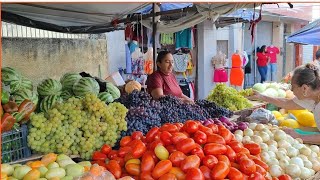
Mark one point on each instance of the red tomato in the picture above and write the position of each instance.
(198, 151)
(112, 154)
(231, 154)
(125, 141)
(114, 167)
(146, 176)
(128, 156)
(262, 164)
(247, 166)
(206, 130)
(261, 170)
(133, 169)
(225, 159)
(206, 172)
(168, 176)
(99, 162)
(186, 145)
(177, 137)
(214, 149)
(169, 127)
(214, 128)
(284, 177)
(136, 135)
(105, 149)
(200, 137)
(151, 134)
(220, 171)
(210, 161)
(153, 155)
(179, 125)
(139, 149)
(161, 168)
(165, 137)
(147, 163)
(194, 174)
(124, 150)
(235, 174)
(216, 138)
(241, 156)
(176, 158)
(256, 176)
(254, 148)
(236, 146)
(154, 144)
(245, 151)
(225, 133)
(171, 148)
(235, 165)
(190, 126)
(180, 175)
(192, 161)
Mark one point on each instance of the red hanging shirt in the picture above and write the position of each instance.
(168, 83)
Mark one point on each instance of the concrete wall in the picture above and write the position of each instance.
(40, 58)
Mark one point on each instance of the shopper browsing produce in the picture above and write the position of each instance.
(163, 82)
(305, 85)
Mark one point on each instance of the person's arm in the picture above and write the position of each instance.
(157, 93)
(280, 102)
(186, 99)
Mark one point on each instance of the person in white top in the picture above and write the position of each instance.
(305, 85)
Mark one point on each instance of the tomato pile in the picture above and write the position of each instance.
(184, 151)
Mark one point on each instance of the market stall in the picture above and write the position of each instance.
(81, 126)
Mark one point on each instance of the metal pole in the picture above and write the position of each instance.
(154, 30)
(255, 53)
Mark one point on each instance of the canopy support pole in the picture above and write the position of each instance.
(154, 31)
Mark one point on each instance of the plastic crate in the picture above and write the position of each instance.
(14, 145)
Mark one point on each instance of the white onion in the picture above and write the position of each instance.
(264, 146)
(248, 132)
(272, 142)
(238, 132)
(283, 149)
(252, 125)
(297, 160)
(290, 139)
(265, 156)
(273, 148)
(313, 155)
(283, 163)
(312, 172)
(303, 157)
(272, 154)
(265, 136)
(268, 176)
(275, 170)
(273, 161)
(298, 145)
(257, 139)
(279, 135)
(283, 144)
(259, 127)
(246, 139)
(292, 152)
(293, 170)
(305, 173)
(281, 154)
(299, 140)
(238, 137)
(307, 164)
(305, 151)
(315, 148)
(315, 165)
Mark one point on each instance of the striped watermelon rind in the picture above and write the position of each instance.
(113, 90)
(48, 102)
(86, 85)
(23, 94)
(68, 80)
(26, 84)
(49, 87)
(65, 95)
(105, 97)
(9, 74)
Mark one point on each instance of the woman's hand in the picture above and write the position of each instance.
(187, 100)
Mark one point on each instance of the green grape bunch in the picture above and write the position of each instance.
(229, 98)
(77, 126)
(246, 92)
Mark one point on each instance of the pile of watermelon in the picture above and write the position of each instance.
(73, 85)
(19, 87)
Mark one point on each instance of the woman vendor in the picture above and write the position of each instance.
(305, 85)
(163, 82)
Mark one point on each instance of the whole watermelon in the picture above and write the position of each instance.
(23, 94)
(48, 102)
(11, 77)
(68, 80)
(86, 85)
(105, 97)
(49, 87)
(65, 95)
(113, 90)
(26, 84)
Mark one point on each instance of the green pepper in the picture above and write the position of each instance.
(25, 109)
(7, 122)
(5, 96)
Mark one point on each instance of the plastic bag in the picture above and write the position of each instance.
(263, 116)
(96, 172)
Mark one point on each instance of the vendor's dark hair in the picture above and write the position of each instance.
(161, 55)
(263, 48)
(318, 54)
(307, 74)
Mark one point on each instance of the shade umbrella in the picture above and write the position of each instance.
(309, 34)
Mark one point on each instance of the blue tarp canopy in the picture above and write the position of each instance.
(244, 14)
(166, 7)
(309, 34)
